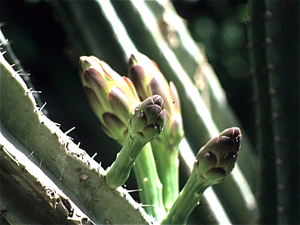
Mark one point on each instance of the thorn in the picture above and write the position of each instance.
(3, 52)
(146, 205)
(68, 131)
(24, 74)
(4, 42)
(21, 72)
(18, 71)
(43, 106)
(30, 155)
(57, 124)
(41, 163)
(94, 155)
(78, 144)
(135, 190)
(32, 91)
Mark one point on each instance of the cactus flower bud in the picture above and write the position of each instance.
(213, 163)
(112, 99)
(111, 96)
(217, 158)
(145, 124)
(148, 81)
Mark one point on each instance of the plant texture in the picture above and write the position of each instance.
(144, 98)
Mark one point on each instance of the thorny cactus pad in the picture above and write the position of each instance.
(213, 163)
(145, 124)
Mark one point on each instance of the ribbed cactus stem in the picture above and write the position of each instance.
(264, 133)
(282, 40)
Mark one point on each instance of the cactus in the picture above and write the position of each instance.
(70, 167)
(272, 52)
(62, 183)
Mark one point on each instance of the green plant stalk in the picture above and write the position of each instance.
(282, 51)
(167, 163)
(187, 200)
(143, 170)
(208, 203)
(120, 170)
(151, 192)
(213, 163)
(146, 123)
(264, 135)
(148, 81)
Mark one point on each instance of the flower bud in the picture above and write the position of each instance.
(217, 158)
(149, 81)
(145, 124)
(111, 96)
(148, 118)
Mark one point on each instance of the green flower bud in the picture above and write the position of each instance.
(217, 158)
(145, 124)
(111, 96)
(214, 161)
(148, 81)
(148, 119)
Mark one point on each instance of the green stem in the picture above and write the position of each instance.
(187, 200)
(167, 164)
(119, 172)
(136, 154)
(282, 41)
(148, 181)
(264, 133)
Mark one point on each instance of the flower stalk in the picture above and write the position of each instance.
(145, 124)
(213, 163)
(148, 81)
